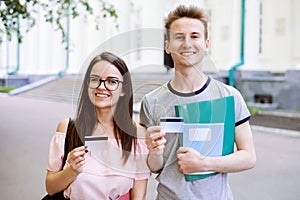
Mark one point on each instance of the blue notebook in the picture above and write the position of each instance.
(208, 128)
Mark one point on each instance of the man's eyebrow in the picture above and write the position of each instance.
(178, 34)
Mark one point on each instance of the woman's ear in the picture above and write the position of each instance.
(122, 94)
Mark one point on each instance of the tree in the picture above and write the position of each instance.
(12, 12)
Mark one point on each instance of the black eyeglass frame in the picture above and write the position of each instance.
(104, 82)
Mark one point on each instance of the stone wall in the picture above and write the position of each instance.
(273, 91)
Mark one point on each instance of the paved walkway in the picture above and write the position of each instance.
(27, 125)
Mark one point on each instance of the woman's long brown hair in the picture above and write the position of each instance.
(86, 120)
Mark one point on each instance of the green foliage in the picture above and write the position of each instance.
(11, 11)
(55, 12)
(254, 110)
(6, 89)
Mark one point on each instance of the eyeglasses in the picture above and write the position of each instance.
(110, 84)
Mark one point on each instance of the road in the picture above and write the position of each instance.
(28, 124)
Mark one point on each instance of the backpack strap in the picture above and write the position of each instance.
(67, 143)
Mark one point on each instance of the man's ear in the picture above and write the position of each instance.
(167, 47)
(207, 44)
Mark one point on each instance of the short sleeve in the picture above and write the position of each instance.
(242, 113)
(145, 116)
(56, 152)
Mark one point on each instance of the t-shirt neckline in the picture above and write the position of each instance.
(189, 94)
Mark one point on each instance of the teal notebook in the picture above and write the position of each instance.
(208, 128)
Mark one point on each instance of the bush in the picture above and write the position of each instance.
(254, 110)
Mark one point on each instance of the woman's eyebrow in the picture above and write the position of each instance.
(111, 77)
(94, 75)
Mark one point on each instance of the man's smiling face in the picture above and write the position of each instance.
(187, 43)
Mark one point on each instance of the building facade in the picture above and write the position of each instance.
(258, 35)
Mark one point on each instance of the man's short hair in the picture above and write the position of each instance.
(188, 12)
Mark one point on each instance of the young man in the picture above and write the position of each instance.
(187, 41)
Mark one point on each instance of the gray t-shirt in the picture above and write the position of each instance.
(160, 103)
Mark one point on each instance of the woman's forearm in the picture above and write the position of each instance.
(58, 181)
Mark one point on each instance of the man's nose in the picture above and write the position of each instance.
(187, 42)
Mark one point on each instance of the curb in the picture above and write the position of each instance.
(33, 85)
(276, 131)
(3, 94)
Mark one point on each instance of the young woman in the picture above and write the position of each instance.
(104, 109)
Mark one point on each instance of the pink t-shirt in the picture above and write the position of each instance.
(104, 176)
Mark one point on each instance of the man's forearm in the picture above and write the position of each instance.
(155, 162)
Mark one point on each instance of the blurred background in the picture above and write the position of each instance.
(45, 47)
(254, 44)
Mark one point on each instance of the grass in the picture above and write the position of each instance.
(6, 89)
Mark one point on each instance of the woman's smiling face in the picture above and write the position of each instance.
(101, 97)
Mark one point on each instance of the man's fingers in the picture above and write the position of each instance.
(182, 150)
(153, 129)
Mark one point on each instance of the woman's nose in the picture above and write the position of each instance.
(102, 85)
